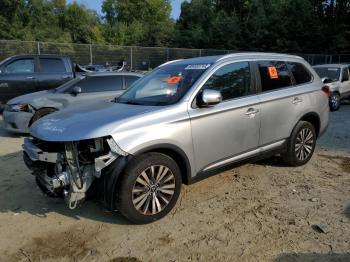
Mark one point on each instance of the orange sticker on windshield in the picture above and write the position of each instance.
(273, 72)
(174, 80)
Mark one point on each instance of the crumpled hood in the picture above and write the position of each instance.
(28, 98)
(86, 121)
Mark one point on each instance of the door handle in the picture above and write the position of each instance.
(65, 77)
(252, 111)
(30, 77)
(297, 100)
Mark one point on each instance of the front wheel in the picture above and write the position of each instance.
(334, 102)
(149, 188)
(301, 145)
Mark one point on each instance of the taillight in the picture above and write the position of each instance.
(326, 90)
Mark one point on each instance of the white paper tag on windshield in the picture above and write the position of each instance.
(197, 67)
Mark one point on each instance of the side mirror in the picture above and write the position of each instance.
(76, 90)
(325, 80)
(208, 98)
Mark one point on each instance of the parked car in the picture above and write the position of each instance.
(21, 112)
(97, 68)
(184, 121)
(336, 76)
(25, 74)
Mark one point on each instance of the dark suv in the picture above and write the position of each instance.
(30, 73)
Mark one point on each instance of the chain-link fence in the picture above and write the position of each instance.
(137, 58)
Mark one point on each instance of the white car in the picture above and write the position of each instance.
(336, 76)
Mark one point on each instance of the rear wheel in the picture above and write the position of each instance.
(301, 145)
(41, 113)
(149, 188)
(334, 102)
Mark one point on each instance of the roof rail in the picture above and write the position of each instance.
(169, 62)
(252, 53)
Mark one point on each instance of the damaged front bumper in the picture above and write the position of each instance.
(71, 170)
(17, 122)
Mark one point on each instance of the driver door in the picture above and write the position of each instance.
(345, 82)
(228, 131)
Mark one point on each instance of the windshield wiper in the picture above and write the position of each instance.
(128, 102)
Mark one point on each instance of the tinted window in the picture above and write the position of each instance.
(274, 75)
(100, 84)
(52, 65)
(129, 80)
(231, 80)
(300, 73)
(345, 76)
(20, 66)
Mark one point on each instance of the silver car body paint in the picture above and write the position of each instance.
(57, 101)
(209, 137)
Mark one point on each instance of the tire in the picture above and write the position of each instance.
(41, 113)
(133, 188)
(334, 102)
(301, 144)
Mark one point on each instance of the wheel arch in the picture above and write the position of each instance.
(40, 109)
(314, 119)
(176, 153)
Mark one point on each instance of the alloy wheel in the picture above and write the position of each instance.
(304, 144)
(153, 189)
(335, 100)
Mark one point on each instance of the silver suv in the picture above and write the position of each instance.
(186, 120)
(336, 76)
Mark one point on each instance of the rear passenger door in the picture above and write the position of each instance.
(283, 94)
(345, 82)
(52, 73)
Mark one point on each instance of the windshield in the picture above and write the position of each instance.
(164, 86)
(332, 73)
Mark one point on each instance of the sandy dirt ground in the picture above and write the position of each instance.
(256, 212)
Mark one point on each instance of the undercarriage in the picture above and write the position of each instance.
(69, 169)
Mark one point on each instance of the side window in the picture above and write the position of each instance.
(129, 80)
(20, 66)
(273, 75)
(101, 84)
(345, 75)
(52, 65)
(300, 73)
(233, 80)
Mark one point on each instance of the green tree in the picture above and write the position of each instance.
(133, 22)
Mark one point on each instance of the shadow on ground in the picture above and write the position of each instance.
(347, 212)
(310, 257)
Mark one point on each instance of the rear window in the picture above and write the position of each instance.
(274, 75)
(100, 84)
(52, 65)
(300, 73)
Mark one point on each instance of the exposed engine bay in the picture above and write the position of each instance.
(68, 169)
